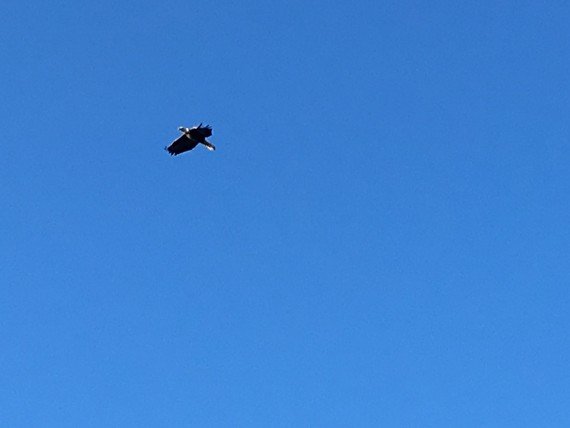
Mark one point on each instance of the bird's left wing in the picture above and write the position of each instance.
(204, 131)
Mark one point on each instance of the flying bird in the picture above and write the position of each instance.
(190, 138)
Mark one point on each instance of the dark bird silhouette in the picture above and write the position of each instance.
(190, 138)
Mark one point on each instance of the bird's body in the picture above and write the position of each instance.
(190, 138)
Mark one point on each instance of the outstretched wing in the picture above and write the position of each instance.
(180, 145)
(200, 132)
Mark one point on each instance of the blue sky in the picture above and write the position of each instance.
(381, 238)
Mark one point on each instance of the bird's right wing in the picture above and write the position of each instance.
(180, 145)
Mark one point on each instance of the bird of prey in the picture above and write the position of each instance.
(190, 138)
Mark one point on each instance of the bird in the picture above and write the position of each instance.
(190, 138)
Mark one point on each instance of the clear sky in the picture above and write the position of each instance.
(380, 240)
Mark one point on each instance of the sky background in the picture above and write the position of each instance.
(380, 240)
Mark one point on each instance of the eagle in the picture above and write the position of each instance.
(190, 138)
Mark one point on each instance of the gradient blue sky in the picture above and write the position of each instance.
(381, 239)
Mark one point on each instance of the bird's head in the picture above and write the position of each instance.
(182, 129)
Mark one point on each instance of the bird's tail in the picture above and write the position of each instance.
(209, 145)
